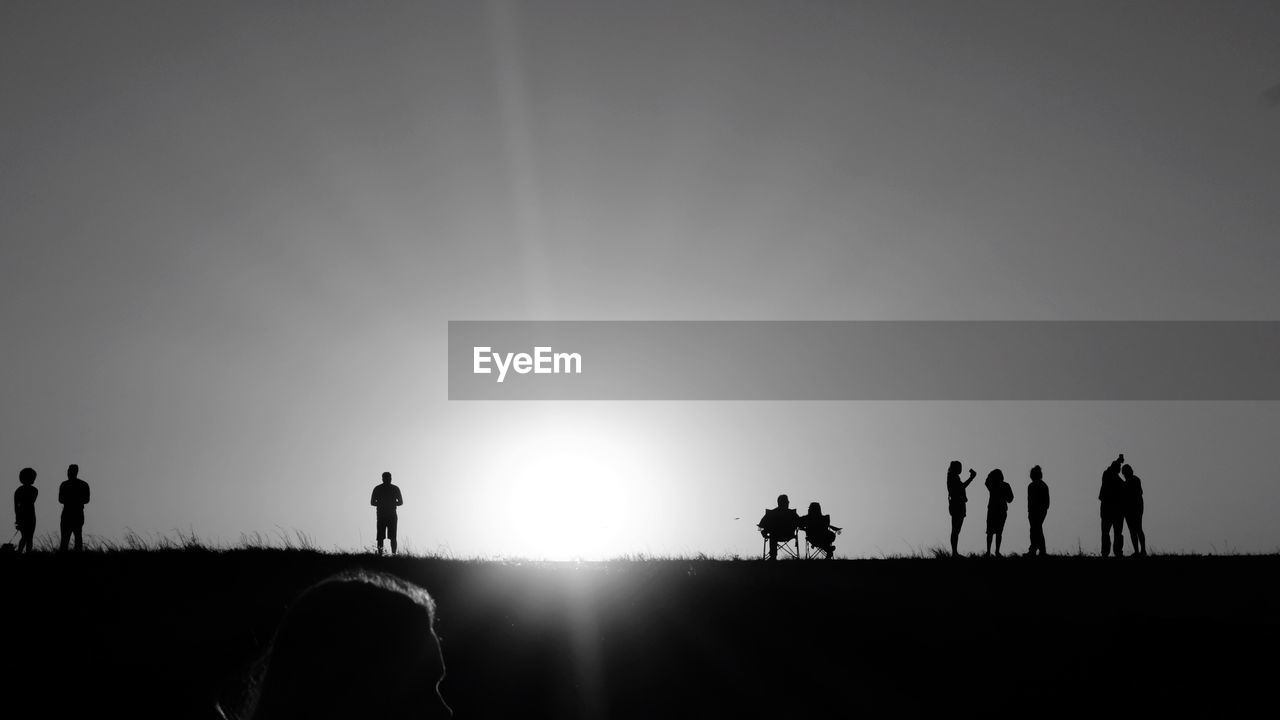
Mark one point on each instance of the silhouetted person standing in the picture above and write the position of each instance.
(1133, 510)
(779, 525)
(1111, 497)
(73, 493)
(1037, 509)
(818, 530)
(1000, 495)
(24, 508)
(386, 497)
(956, 499)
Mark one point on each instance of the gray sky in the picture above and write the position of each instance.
(232, 234)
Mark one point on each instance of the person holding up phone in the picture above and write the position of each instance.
(956, 499)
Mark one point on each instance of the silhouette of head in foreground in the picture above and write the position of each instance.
(356, 645)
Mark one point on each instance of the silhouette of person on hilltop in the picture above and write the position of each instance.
(24, 508)
(73, 493)
(778, 525)
(1001, 494)
(956, 499)
(356, 645)
(818, 530)
(386, 497)
(1111, 498)
(1037, 509)
(1133, 510)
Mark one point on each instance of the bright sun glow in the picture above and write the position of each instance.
(567, 493)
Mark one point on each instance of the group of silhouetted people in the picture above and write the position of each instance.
(780, 525)
(1120, 497)
(1000, 494)
(73, 493)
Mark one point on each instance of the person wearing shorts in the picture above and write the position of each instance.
(386, 497)
(1001, 494)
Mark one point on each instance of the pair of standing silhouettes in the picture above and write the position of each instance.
(1120, 499)
(72, 493)
(1000, 494)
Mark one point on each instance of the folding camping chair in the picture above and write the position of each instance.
(788, 545)
(813, 552)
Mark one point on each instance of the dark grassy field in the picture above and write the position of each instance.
(169, 633)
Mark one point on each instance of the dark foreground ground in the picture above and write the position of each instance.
(167, 634)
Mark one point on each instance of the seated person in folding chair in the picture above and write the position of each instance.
(779, 525)
(818, 530)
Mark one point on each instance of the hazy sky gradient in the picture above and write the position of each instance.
(232, 235)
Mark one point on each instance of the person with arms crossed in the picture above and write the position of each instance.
(73, 493)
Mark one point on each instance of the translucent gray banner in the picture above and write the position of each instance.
(891, 360)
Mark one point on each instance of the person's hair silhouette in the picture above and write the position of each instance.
(956, 499)
(24, 508)
(386, 497)
(779, 525)
(73, 493)
(1111, 508)
(818, 530)
(1133, 510)
(1037, 510)
(356, 645)
(1000, 495)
